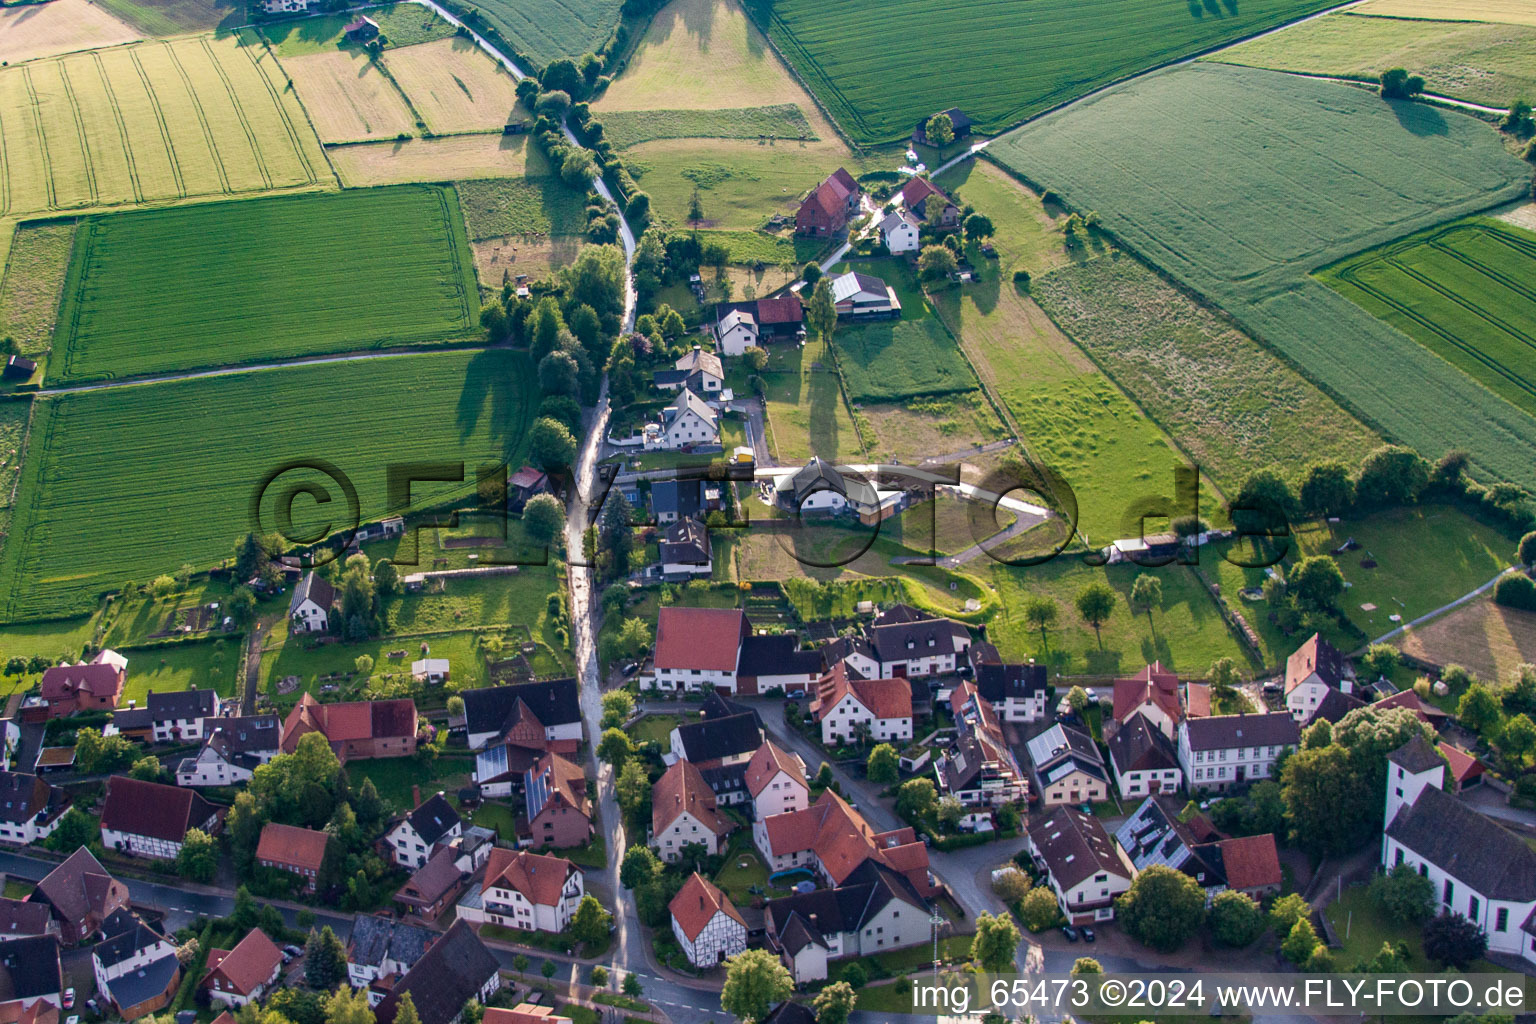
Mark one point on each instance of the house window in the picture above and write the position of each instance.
(1448, 893)
(1472, 908)
(1501, 919)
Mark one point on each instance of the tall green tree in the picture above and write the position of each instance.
(996, 942)
(821, 313)
(755, 981)
(1162, 908)
(325, 959)
(883, 764)
(1040, 613)
(940, 130)
(1095, 603)
(1147, 595)
(834, 1003)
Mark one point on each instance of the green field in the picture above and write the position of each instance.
(520, 206)
(400, 24)
(174, 17)
(1278, 176)
(1000, 63)
(132, 482)
(1466, 291)
(206, 664)
(1230, 402)
(543, 30)
(625, 128)
(13, 438)
(33, 276)
(1488, 64)
(750, 247)
(234, 283)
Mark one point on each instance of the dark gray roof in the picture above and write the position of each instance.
(29, 968)
(1153, 835)
(899, 641)
(1416, 755)
(998, 682)
(127, 934)
(807, 917)
(1461, 842)
(720, 737)
(1223, 732)
(312, 588)
(1139, 746)
(130, 719)
(181, 704)
(686, 543)
(23, 797)
(369, 940)
(776, 654)
(494, 708)
(448, 976)
(682, 497)
(19, 917)
(1334, 706)
(790, 1013)
(433, 819)
(241, 740)
(143, 984)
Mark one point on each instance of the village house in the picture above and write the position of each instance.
(1229, 750)
(432, 671)
(298, 851)
(959, 122)
(979, 768)
(874, 910)
(919, 194)
(830, 205)
(820, 489)
(908, 644)
(687, 423)
(1016, 691)
(718, 742)
(150, 819)
(527, 891)
(851, 709)
(699, 371)
(232, 750)
(674, 500)
(683, 813)
(859, 297)
(21, 918)
(356, 730)
(832, 839)
(179, 716)
(381, 948)
(309, 610)
(284, 6)
(743, 325)
(1311, 671)
(411, 839)
(1422, 709)
(685, 551)
(1156, 834)
(1152, 694)
(536, 716)
(433, 887)
(96, 685)
(454, 970)
(30, 974)
(775, 780)
(1066, 767)
(135, 966)
(243, 974)
(1478, 868)
(698, 648)
(30, 808)
(556, 805)
(1083, 867)
(705, 923)
(1145, 761)
(81, 895)
(898, 233)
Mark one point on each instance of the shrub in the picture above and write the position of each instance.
(1516, 591)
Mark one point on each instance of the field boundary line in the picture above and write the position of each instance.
(202, 118)
(85, 143)
(70, 301)
(389, 76)
(245, 124)
(1448, 606)
(282, 109)
(122, 128)
(165, 131)
(308, 117)
(42, 140)
(5, 180)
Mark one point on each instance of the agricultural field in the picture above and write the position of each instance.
(1488, 64)
(632, 127)
(1466, 291)
(66, 546)
(194, 116)
(1513, 12)
(1487, 639)
(521, 225)
(348, 98)
(13, 449)
(998, 63)
(921, 428)
(32, 281)
(1029, 235)
(752, 247)
(226, 283)
(544, 30)
(806, 412)
(1230, 403)
(1342, 171)
(403, 24)
(61, 26)
(449, 157)
(455, 86)
(177, 17)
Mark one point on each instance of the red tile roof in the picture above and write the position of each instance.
(702, 638)
(352, 720)
(1197, 700)
(918, 189)
(102, 679)
(538, 876)
(769, 760)
(842, 840)
(246, 967)
(780, 309)
(1251, 862)
(289, 844)
(697, 903)
(1428, 713)
(682, 788)
(1463, 765)
(1315, 656)
(884, 698)
(1153, 684)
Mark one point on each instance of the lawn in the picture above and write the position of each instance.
(153, 122)
(742, 883)
(1230, 403)
(806, 412)
(1466, 291)
(205, 664)
(1342, 171)
(328, 670)
(1488, 64)
(946, 524)
(393, 777)
(1000, 63)
(229, 283)
(921, 428)
(749, 247)
(33, 276)
(400, 24)
(1029, 235)
(173, 502)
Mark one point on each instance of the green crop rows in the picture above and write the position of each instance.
(129, 483)
(998, 62)
(1467, 291)
(201, 286)
(544, 30)
(631, 127)
(1275, 177)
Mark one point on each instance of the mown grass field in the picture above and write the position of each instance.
(1515, 12)
(1466, 291)
(1341, 171)
(13, 438)
(1230, 403)
(399, 24)
(176, 17)
(347, 97)
(226, 283)
(630, 127)
(34, 276)
(180, 463)
(1000, 63)
(515, 206)
(806, 412)
(455, 86)
(1489, 640)
(749, 247)
(192, 116)
(448, 157)
(206, 664)
(61, 26)
(1489, 64)
(544, 30)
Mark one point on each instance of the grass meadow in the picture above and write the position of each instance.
(454, 85)
(191, 116)
(132, 482)
(1512, 12)
(544, 30)
(1341, 171)
(32, 281)
(1000, 63)
(227, 283)
(457, 156)
(625, 128)
(806, 412)
(348, 98)
(1488, 64)
(514, 206)
(1466, 291)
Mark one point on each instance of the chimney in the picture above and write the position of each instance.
(415, 795)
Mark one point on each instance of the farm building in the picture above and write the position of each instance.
(861, 297)
(919, 194)
(958, 119)
(830, 205)
(778, 318)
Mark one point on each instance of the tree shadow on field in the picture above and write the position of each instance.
(492, 389)
(1419, 118)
